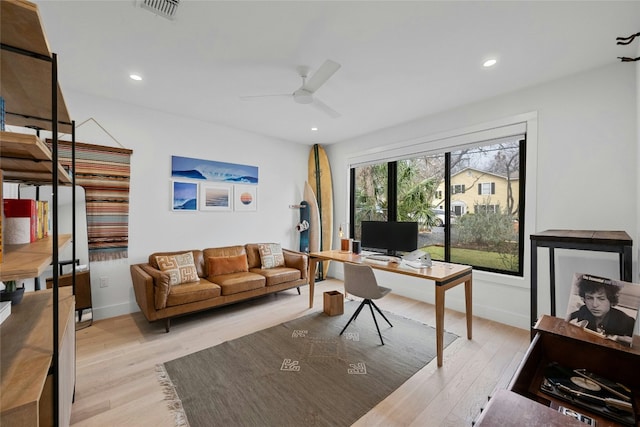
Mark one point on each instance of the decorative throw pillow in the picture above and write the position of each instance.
(180, 268)
(218, 265)
(271, 255)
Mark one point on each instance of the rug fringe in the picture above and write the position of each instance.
(171, 396)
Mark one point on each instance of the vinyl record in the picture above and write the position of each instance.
(589, 391)
(585, 383)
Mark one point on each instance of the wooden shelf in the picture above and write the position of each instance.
(29, 260)
(27, 159)
(26, 357)
(26, 83)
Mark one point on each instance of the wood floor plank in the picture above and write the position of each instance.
(117, 384)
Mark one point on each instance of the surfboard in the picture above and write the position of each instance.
(314, 218)
(320, 180)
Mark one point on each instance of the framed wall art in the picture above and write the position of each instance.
(245, 198)
(211, 170)
(184, 196)
(216, 197)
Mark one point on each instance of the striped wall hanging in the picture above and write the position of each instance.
(104, 173)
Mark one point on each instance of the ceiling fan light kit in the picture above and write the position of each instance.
(303, 96)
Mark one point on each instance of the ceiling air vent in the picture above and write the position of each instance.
(165, 8)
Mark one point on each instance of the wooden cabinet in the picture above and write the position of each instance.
(557, 341)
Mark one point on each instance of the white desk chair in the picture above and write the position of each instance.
(360, 281)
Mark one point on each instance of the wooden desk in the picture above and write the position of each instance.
(445, 275)
(586, 240)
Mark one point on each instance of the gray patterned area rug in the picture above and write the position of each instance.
(299, 373)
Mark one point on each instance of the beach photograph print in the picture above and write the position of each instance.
(215, 197)
(209, 170)
(184, 196)
(245, 198)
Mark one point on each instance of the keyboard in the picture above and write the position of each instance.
(383, 258)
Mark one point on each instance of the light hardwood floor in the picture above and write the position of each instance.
(116, 382)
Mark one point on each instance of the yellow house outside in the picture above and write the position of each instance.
(472, 186)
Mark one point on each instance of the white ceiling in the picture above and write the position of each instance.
(400, 60)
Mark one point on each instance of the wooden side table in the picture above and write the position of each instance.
(586, 240)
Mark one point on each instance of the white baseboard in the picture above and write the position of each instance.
(114, 310)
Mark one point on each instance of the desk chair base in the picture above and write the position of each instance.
(371, 305)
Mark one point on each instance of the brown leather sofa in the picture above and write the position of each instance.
(223, 277)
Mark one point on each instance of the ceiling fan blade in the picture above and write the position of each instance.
(325, 108)
(275, 95)
(321, 75)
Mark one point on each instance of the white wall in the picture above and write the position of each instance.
(637, 66)
(585, 178)
(154, 137)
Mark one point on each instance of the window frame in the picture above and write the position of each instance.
(480, 134)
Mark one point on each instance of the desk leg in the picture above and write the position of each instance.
(468, 306)
(313, 264)
(440, 290)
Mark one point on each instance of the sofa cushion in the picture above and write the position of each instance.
(218, 265)
(278, 275)
(271, 255)
(180, 268)
(198, 259)
(238, 282)
(192, 292)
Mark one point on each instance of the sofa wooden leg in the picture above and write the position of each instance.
(298, 288)
(167, 324)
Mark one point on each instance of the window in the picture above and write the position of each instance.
(486, 188)
(479, 228)
(483, 209)
(369, 195)
(457, 189)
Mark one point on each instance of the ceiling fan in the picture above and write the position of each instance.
(305, 93)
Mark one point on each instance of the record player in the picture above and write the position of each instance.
(588, 390)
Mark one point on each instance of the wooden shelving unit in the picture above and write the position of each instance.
(37, 351)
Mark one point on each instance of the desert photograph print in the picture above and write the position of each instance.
(301, 372)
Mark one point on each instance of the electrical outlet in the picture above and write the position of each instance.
(104, 282)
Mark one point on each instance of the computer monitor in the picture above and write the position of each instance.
(389, 236)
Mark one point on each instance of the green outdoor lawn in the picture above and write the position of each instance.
(469, 256)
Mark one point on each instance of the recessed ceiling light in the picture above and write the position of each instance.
(135, 77)
(314, 129)
(489, 63)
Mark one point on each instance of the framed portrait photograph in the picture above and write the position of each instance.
(184, 196)
(245, 198)
(604, 306)
(215, 197)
